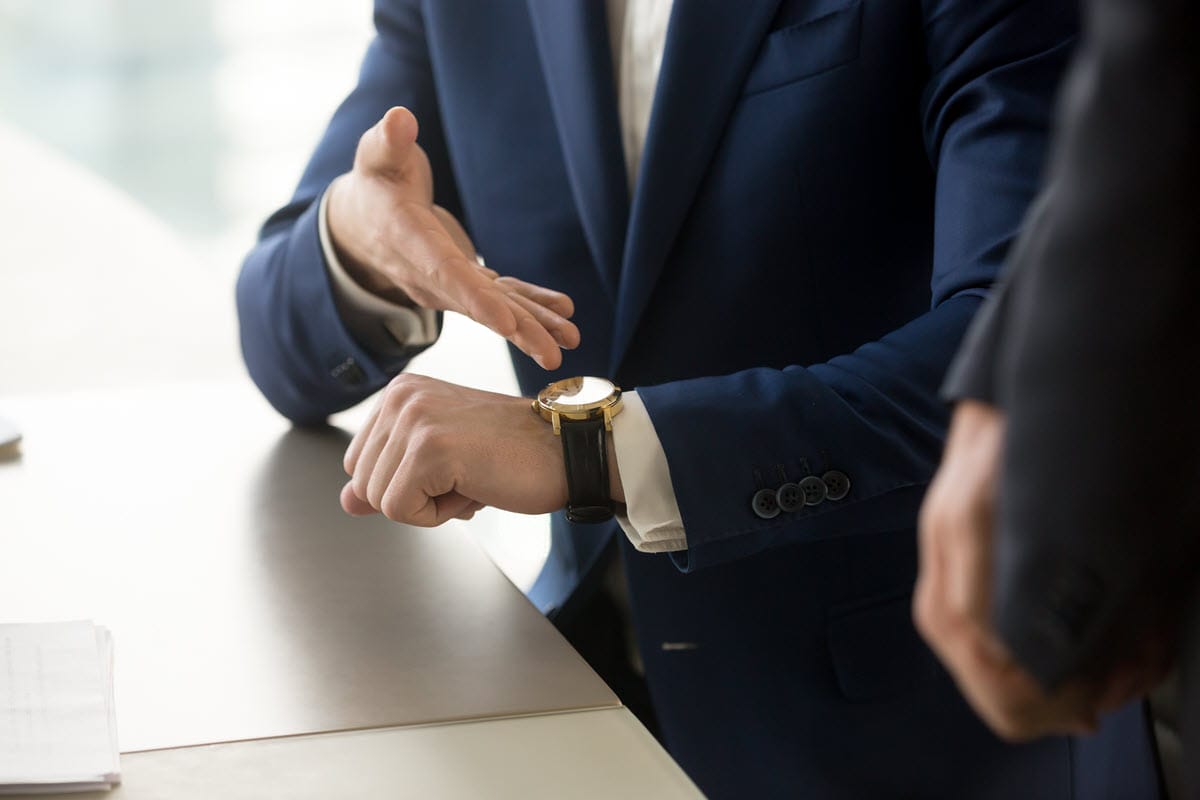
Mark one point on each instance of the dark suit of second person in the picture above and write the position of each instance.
(1092, 354)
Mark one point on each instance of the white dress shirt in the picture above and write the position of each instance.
(651, 518)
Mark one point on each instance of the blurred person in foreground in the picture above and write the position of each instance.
(773, 222)
(1060, 541)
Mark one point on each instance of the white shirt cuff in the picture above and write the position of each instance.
(362, 311)
(651, 520)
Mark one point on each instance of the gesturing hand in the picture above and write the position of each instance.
(951, 604)
(396, 243)
(432, 451)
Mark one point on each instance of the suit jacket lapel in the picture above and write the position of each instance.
(710, 47)
(572, 40)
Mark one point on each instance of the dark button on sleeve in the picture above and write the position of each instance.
(814, 490)
(837, 485)
(789, 496)
(765, 504)
(349, 373)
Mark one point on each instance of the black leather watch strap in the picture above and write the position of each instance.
(586, 457)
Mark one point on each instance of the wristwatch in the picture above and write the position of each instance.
(581, 411)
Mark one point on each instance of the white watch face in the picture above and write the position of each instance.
(577, 392)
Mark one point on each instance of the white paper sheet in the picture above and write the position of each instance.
(57, 722)
(10, 440)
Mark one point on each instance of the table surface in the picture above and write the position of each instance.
(590, 754)
(192, 521)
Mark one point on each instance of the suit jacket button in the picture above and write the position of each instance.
(764, 504)
(837, 485)
(814, 490)
(789, 496)
(349, 373)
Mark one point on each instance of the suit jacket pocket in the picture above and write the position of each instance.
(828, 36)
(875, 649)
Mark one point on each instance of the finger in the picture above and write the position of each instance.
(408, 499)
(533, 339)
(353, 505)
(454, 505)
(563, 331)
(457, 284)
(365, 468)
(974, 587)
(470, 511)
(926, 543)
(929, 596)
(557, 302)
(410, 493)
(924, 618)
(970, 551)
(385, 148)
(490, 307)
(966, 570)
(350, 459)
(923, 591)
(386, 466)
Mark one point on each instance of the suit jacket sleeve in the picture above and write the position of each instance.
(875, 414)
(1097, 538)
(972, 374)
(296, 346)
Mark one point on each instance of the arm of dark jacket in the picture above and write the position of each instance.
(296, 346)
(875, 414)
(972, 373)
(1097, 539)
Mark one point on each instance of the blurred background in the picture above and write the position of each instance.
(142, 143)
(202, 110)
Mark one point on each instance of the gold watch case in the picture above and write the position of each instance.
(581, 398)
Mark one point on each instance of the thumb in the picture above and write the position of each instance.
(388, 146)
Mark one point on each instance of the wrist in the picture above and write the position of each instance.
(580, 411)
(555, 476)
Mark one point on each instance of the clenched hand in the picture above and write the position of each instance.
(952, 601)
(432, 451)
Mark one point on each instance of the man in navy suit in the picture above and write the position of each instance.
(773, 220)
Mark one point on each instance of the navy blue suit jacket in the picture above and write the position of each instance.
(827, 191)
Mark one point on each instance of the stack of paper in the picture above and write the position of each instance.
(58, 729)
(10, 440)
